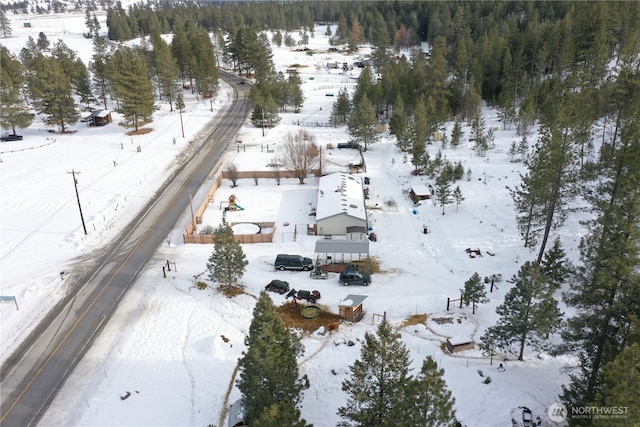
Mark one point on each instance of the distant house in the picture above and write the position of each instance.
(340, 205)
(421, 192)
(99, 118)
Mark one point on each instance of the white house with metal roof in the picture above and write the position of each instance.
(341, 205)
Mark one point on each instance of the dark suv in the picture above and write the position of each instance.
(352, 277)
(292, 262)
(11, 137)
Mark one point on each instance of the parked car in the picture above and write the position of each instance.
(353, 277)
(292, 262)
(279, 286)
(11, 137)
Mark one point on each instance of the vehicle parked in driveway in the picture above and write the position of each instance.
(11, 137)
(292, 262)
(279, 286)
(353, 277)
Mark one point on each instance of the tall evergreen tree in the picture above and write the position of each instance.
(431, 401)
(129, 77)
(528, 314)
(5, 25)
(379, 382)
(474, 292)
(228, 262)
(555, 267)
(605, 290)
(621, 386)
(295, 93)
(99, 69)
(456, 134)
(269, 380)
(52, 90)
(362, 123)
(13, 112)
(166, 68)
(457, 196)
(444, 194)
(341, 108)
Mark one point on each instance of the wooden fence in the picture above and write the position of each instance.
(190, 235)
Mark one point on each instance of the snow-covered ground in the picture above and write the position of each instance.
(174, 347)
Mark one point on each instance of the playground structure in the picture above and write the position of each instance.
(233, 206)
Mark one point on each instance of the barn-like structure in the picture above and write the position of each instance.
(341, 205)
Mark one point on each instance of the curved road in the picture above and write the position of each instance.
(32, 376)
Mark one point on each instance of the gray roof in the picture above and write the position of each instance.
(342, 246)
(353, 300)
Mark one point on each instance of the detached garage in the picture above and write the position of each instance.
(340, 208)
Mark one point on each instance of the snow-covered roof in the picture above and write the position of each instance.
(352, 300)
(459, 340)
(420, 189)
(100, 113)
(340, 193)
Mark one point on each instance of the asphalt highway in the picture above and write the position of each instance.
(35, 372)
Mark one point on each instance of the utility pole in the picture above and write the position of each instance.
(193, 218)
(75, 184)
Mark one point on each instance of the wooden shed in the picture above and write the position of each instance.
(421, 192)
(455, 344)
(99, 118)
(351, 307)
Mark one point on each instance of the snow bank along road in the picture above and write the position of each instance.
(32, 376)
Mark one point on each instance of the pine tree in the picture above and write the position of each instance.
(280, 414)
(228, 262)
(528, 314)
(5, 25)
(443, 193)
(268, 377)
(129, 77)
(456, 134)
(341, 108)
(43, 43)
(604, 290)
(379, 381)
(295, 94)
(13, 112)
(52, 90)
(362, 123)
(431, 402)
(474, 292)
(98, 67)
(166, 68)
(555, 267)
(621, 386)
(457, 196)
(478, 135)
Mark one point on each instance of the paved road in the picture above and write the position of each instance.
(33, 375)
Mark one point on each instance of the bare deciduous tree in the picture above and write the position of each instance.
(232, 173)
(300, 154)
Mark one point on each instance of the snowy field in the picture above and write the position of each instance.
(175, 348)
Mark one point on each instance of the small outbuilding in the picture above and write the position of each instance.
(341, 204)
(421, 192)
(99, 118)
(351, 307)
(455, 344)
